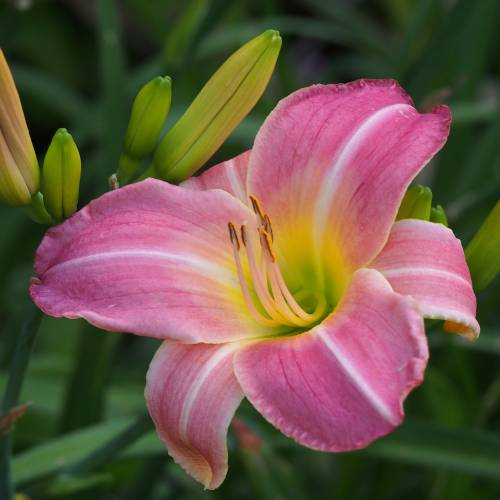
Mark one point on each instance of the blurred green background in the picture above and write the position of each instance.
(78, 64)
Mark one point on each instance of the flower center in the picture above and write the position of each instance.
(269, 300)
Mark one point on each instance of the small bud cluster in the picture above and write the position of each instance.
(220, 106)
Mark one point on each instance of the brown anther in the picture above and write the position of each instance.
(243, 235)
(257, 208)
(268, 227)
(233, 235)
(267, 243)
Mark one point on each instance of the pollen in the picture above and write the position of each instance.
(267, 243)
(257, 208)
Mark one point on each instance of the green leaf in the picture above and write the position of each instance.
(465, 450)
(64, 451)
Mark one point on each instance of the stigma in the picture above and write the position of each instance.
(264, 289)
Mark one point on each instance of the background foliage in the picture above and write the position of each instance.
(78, 65)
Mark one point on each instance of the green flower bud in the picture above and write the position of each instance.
(19, 171)
(416, 204)
(149, 112)
(62, 168)
(220, 106)
(438, 215)
(483, 252)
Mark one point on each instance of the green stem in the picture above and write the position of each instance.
(86, 391)
(17, 372)
(149, 172)
(37, 211)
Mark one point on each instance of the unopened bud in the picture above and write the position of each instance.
(416, 204)
(438, 215)
(483, 252)
(61, 175)
(220, 106)
(19, 171)
(149, 112)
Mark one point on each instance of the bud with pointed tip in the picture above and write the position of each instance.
(416, 204)
(61, 175)
(149, 112)
(220, 106)
(483, 252)
(19, 171)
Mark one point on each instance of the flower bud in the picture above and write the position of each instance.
(416, 204)
(149, 112)
(61, 175)
(19, 171)
(438, 215)
(220, 106)
(483, 252)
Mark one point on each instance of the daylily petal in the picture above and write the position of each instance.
(192, 395)
(341, 385)
(230, 175)
(426, 260)
(331, 164)
(151, 259)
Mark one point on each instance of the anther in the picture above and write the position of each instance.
(267, 243)
(233, 236)
(243, 232)
(268, 227)
(257, 208)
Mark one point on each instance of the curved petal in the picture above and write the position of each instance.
(151, 259)
(192, 395)
(331, 164)
(426, 260)
(341, 385)
(230, 175)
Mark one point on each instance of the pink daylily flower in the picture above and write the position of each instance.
(279, 276)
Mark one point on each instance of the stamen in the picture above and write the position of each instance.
(260, 282)
(233, 236)
(243, 284)
(257, 208)
(269, 286)
(320, 307)
(243, 235)
(275, 275)
(265, 239)
(280, 300)
(268, 227)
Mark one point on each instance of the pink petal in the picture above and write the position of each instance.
(426, 261)
(192, 395)
(341, 385)
(151, 259)
(332, 162)
(230, 175)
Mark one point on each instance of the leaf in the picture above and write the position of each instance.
(465, 450)
(64, 451)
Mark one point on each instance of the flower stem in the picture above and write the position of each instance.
(37, 211)
(18, 367)
(86, 390)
